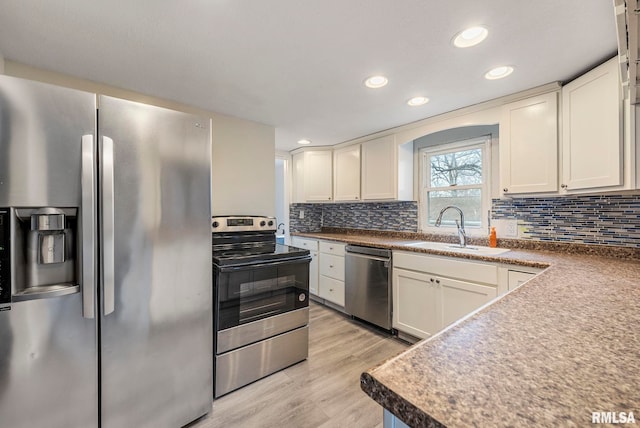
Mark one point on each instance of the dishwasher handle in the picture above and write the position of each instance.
(369, 251)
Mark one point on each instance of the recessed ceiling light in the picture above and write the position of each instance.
(470, 37)
(417, 101)
(375, 82)
(304, 142)
(498, 72)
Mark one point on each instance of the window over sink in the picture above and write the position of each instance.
(455, 174)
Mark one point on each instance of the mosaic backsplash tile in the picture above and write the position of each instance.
(393, 215)
(602, 219)
(312, 221)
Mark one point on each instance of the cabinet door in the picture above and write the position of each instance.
(346, 169)
(459, 298)
(529, 145)
(592, 138)
(415, 303)
(318, 176)
(297, 168)
(379, 168)
(331, 289)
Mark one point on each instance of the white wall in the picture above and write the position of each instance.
(243, 152)
(243, 167)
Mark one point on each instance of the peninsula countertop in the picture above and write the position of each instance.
(550, 353)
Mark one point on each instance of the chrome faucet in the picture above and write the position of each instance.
(459, 224)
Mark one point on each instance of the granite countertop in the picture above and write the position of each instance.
(549, 353)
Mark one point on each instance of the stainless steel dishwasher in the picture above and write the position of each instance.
(368, 284)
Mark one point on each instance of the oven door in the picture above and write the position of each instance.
(245, 294)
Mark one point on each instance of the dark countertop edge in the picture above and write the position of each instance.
(411, 415)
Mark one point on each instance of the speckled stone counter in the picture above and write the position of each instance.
(549, 353)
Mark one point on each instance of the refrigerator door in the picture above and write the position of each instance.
(156, 315)
(48, 350)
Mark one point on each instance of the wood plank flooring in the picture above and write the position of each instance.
(323, 391)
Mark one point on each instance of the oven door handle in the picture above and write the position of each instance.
(280, 262)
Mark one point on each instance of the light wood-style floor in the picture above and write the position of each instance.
(323, 391)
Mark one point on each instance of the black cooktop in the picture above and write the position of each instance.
(255, 254)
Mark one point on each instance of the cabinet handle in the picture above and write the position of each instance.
(505, 190)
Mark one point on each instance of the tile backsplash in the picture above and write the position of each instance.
(601, 219)
(393, 215)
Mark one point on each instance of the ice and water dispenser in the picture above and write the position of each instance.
(38, 256)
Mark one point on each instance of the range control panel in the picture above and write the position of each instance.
(242, 224)
(5, 259)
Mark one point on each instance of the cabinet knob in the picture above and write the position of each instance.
(437, 281)
(331, 289)
(329, 198)
(564, 186)
(330, 266)
(505, 190)
(431, 279)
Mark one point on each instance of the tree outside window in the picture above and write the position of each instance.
(455, 175)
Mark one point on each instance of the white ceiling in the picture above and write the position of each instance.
(299, 64)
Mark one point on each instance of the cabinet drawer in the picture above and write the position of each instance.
(334, 248)
(306, 243)
(332, 266)
(332, 290)
(447, 266)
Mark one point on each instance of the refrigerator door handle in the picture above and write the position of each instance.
(108, 229)
(88, 227)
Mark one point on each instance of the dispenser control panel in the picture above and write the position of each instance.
(5, 260)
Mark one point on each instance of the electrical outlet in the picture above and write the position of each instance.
(301, 216)
(511, 228)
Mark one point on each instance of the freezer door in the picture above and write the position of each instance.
(156, 315)
(48, 350)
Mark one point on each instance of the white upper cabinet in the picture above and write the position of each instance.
(592, 146)
(387, 169)
(346, 173)
(529, 145)
(312, 176)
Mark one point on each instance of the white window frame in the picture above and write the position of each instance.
(484, 143)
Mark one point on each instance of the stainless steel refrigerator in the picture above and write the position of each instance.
(105, 261)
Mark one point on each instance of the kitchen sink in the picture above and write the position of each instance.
(469, 249)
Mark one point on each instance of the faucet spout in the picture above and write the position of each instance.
(462, 235)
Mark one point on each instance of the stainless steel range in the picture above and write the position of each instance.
(261, 311)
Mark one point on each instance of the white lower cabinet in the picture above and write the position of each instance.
(425, 302)
(460, 298)
(326, 271)
(331, 272)
(415, 303)
(312, 246)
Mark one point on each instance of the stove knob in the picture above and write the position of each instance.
(215, 224)
(262, 223)
(270, 222)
